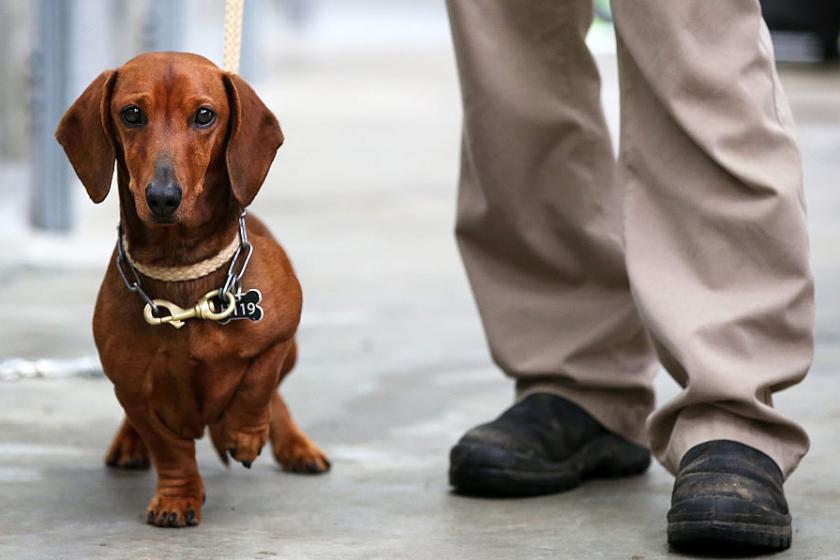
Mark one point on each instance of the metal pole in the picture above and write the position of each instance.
(51, 203)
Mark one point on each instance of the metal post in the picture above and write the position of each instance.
(51, 203)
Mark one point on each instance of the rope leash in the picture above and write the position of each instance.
(233, 35)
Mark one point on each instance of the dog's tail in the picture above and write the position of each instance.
(218, 443)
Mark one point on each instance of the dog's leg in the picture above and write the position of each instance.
(291, 447)
(246, 419)
(180, 490)
(127, 450)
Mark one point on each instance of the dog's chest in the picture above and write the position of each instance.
(190, 392)
(191, 376)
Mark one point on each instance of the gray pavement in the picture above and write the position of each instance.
(393, 364)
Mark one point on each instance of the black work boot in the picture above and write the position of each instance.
(541, 445)
(728, 498)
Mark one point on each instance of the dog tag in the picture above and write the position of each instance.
(247, 307)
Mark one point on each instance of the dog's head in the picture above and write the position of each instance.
(178, 126)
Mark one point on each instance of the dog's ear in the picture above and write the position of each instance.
(253, 139)
(85, 134)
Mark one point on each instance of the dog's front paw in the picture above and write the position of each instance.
(245, 444)
(174, 511)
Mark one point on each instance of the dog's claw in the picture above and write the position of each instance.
(150, 518)
(172, 520)
(190, 518)
(246, 464)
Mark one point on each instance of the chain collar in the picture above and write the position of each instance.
(205, 307)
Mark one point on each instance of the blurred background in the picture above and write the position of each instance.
(393, 362)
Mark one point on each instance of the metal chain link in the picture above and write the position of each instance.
(134, 285)
(234, 279)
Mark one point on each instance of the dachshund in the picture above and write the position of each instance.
(192, 146)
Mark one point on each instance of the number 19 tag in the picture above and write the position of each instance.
(247, 307)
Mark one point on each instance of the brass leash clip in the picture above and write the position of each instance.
(204, 308)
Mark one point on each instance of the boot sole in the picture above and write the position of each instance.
(710, 536)
(710, 523)
(475, 468)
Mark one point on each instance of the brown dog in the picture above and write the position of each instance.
(192, 146)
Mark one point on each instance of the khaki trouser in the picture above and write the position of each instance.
(692, 248)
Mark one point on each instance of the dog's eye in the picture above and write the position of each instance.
(204, 117)
(133, 116)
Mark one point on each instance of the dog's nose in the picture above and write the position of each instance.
(163, 198)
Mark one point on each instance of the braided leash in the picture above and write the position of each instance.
(233, 35)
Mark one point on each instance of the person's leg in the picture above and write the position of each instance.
(716, 239)
(715, 233)
(539, 216)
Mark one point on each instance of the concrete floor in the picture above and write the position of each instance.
(393, 366)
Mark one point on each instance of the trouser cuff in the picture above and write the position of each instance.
(701, 423)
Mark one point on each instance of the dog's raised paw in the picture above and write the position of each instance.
(245, 446)
(174, 511)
